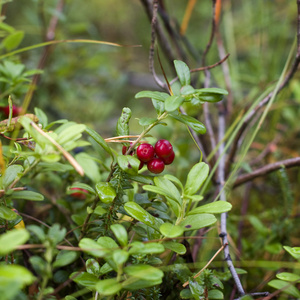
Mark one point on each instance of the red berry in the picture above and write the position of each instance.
(168, 160)
(15, 110)
(163, 148)
(79, 195)
(124, 150)
(156, 165)
(141, 165)
(145, 152)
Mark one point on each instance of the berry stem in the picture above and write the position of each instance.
(145, 131)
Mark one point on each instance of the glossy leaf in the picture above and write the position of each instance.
(13, 40)
(7, 213)
(93, 267)
(107, 242)
(144, 271)
(108, 287)
(99, 210)
(173, 102)
(212, 91)
(217, 207)
(176, 247)
(158, 96)
(174, 179)
(123, 122)
(65, 258)
(171, 231)
(288, 276)
(147, 121)
(93, 248)
(187, 90)
(120, 233)
(106, 192)
(215, 294)
(198, 221)
(138, 213)
(120, 256)
(196, 178)
(11, 173)
(83, 186)
(295, 251)
(183, 72)
(128, 164)
(98, 139)
(70, 133)
(27, 195)
(285, 286)
(148, 248)
(10, 240)
(85, 279)
(89, 165)
(193, 123)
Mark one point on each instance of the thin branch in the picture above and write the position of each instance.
(221, 180)
(262, 294)
(287, 163)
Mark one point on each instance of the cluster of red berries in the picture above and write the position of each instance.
(155, 157)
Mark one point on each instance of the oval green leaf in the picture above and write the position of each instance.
(106, 192)
(10, 240)
(288, 276)
(196, 178)
(138, 213)
(173, 102)
(285, 286)
(93, 248)
(183, 72)
(193, 123)
(108, 287)
(7, 214)
(176, 247)
(158, 96)
(212, 208)
(171, 231)
(198, 221)
(27, 195)
(120, 233)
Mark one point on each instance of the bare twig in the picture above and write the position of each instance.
(221, 179)
(287, 163)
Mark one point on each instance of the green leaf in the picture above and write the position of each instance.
(171, 231)
(123, 122)
(93, 248)
(106, 192)
(7, 213)
(144, 271)
(196, 178)
(43, 119)
(56, 233)
(106, 268)
(149, 248)
(211, 98)
(13, 278)
(147, 121)
(215, 294)
(120, 233)
(120, 256)
(108, 287)
(11, 173)
(10, 240)
(173, 102)
(128, 164)
(198, 221)
(65, 258)
(138, 213)
(212, 208)
(176, 247)
(90, 167)
(159, 106)
(13, 40)
(193, 123)
(174, 179)
(183, 72)
(295, 251)
(70, 133)
(186, 294)
(286, 287)
(27, 195)
(107, 242)
(288, 276)
(212, 91)
(98, 139)
(187, 90)
(93, 267)
(99, 210)
(158, 96)
(85, 279)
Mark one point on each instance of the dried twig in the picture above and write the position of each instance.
(287, 163)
